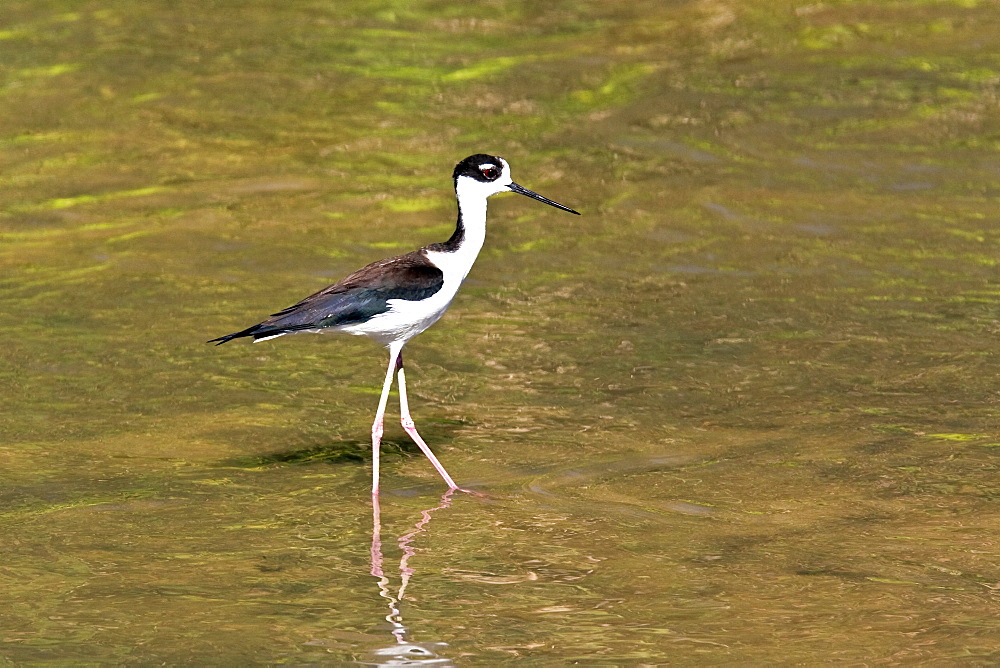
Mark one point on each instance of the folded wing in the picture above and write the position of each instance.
(356, 299)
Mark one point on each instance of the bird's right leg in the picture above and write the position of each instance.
(380, 415)
(407, 421)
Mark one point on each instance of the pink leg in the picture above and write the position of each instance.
(394, 353)
(376, 553)
(411, 429)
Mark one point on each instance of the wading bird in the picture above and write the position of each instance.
(393, 300)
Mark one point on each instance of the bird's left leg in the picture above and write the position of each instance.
(411, 429)
(380, 415)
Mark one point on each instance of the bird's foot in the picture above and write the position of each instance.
(473, 492)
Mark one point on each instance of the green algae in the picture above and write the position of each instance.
(780, 302)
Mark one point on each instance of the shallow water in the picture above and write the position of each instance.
(744, 409)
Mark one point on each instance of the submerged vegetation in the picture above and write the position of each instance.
(744, 409)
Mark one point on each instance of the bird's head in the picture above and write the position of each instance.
(486, 175)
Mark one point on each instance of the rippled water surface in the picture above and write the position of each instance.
(743, 410)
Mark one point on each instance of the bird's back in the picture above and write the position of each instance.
(355, 300)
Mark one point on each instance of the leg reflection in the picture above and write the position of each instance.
(403, 649)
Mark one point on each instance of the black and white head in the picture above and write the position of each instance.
(482, 175)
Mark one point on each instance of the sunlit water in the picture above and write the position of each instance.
(744, 409)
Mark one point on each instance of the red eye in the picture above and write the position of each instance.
(490, 172)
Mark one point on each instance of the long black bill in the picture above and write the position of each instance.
(521, 190)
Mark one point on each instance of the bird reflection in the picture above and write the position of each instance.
(403, 652)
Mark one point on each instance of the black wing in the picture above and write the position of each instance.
(359, 297)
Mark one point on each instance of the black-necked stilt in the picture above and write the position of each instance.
(393, 300)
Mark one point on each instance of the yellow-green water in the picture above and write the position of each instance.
(743, 410)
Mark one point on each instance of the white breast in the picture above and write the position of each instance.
(405, 319)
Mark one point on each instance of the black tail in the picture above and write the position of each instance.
(261, 331)
(249, 331)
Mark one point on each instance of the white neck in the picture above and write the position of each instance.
(472, 210)
(472, 213)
